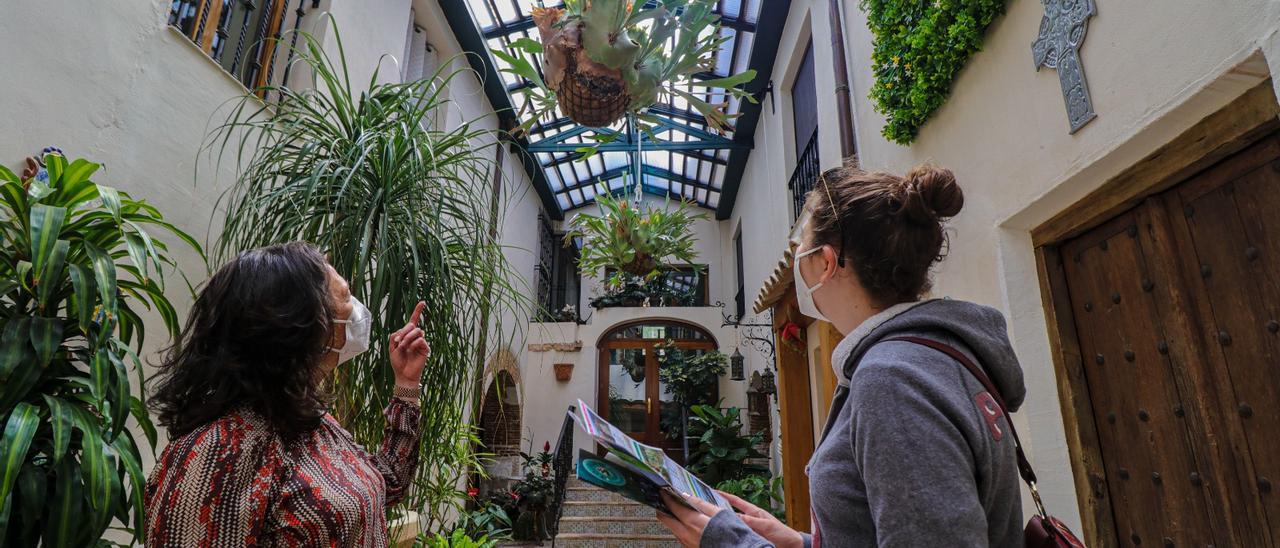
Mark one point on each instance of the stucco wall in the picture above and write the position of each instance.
(546, 399)
(111, 81)
(1151, 73)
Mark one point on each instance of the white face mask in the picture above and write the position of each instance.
(359, 326)
(804, 293)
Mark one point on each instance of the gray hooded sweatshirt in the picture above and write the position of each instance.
(914, 452)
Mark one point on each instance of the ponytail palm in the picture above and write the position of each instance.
(403, 208)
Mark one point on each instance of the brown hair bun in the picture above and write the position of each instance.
(930, 194)
(889, 227)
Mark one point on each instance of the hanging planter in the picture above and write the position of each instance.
(603, 59)
(564, 371)
(633, 240)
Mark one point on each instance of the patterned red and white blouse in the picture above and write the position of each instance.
(232, 482)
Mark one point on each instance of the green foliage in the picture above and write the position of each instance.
(533, 495)
(403, 206)
(457, 539)
(631, 290)
(488, 520)
(658, 47)
(920, 47)
(76, 265)
(758, 489)
(689, 375)
(635, 240)
(722, 451)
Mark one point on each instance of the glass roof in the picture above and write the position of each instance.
(683, 158)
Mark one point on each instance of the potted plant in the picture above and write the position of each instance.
(76, 265)
(722, 451)
(605, 58)
(690, 378)
(564, 371)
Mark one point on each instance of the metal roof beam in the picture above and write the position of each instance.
(470, 39)
(647, 146)
(764, 51)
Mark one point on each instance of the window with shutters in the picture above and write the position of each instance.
(244, 36)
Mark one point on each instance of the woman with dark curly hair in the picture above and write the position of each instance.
(253, 457)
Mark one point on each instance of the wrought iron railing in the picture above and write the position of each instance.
(557, 276)
(562, 468)
(805, 175)
(244, 36)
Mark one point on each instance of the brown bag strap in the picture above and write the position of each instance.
(1024, 465)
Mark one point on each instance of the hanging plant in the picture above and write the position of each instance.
(605, 58)
(632, 240)
(920, 47)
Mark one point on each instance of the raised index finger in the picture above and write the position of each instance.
(417, 313)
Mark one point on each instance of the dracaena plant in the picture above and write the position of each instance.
(632, 240)
(76, 266)
(407, 211)
(659, 49)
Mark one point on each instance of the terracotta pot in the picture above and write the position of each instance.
(563, 371)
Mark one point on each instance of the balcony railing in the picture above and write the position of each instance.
(805, 175)
(558, 283)
(244, 36)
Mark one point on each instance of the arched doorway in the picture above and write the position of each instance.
(500, 417)
(630, 394)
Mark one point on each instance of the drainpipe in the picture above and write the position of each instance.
(848, 146)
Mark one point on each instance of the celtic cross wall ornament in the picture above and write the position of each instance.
(1058, 47)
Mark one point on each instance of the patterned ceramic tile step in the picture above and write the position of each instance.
(579, 509)
(572, 540)
(592, 494)
(632, 525)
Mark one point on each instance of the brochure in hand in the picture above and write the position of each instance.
(633, 469)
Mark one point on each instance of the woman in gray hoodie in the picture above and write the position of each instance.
(915, 452)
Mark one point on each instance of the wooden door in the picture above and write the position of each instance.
(630, 392)
(1229, 227)
(1175, 306)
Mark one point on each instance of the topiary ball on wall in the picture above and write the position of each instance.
(920, 46)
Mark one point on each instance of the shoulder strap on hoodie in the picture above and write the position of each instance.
(1024, 466)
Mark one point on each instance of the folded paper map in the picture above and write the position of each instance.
(633, 469)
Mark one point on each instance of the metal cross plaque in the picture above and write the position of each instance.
(1058, 47)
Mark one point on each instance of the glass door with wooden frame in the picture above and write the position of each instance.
(630, 393)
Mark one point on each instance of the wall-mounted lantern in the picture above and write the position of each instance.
(737, 369)
(767, 384)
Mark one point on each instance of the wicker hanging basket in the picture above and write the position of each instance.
(588, 92)
(590, 98)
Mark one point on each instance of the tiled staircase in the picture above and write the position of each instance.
(595, 517)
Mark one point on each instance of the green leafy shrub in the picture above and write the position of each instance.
(689, 375)
(758, 489)
(76, 265)
(920, 47)
(457, 539)
(722, 451)
(490, 518)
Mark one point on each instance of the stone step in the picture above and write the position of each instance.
(575, 540)
(587, 509)
(630, 525)
(592, 494)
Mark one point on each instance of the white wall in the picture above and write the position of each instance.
(1151, 74)
(112, 82)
